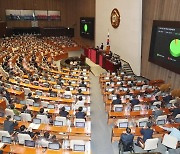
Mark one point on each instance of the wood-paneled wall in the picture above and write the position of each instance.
(157, 10)
(71, 11)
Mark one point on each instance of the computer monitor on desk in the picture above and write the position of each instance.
(36, 121)
(79, 147)
(58, 123)
(143, 124)
(80, 124)
(123, 124)
(54, 146)
(29, 143)
(6, 140)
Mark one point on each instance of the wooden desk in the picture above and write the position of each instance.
(2, 104)
(62, 132)
(31, 86)
(19, 94)
(158, 132)
(112, 116)
(57, 99)
(20, 149)
(108, 102)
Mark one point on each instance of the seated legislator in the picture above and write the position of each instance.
(63, 113)
(54, 140)
(25, 110)
(67, 92)
(82, 84)
(126, 139)
(176, 110)
(146, 133)
(43, 141)
(24, 130)
(117, 100)
(16, 112)
(9, 125)
(157, 111)
(134, 101)
(175, 132)
(80, 102)
(80, 114)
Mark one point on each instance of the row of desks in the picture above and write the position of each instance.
(62, 132)
(20, 149)
(158, 132)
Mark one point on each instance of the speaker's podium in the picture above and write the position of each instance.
(101, 58)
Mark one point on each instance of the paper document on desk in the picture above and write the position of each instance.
(34, 126)
(1, 145)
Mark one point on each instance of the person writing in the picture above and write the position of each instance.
(146, 133)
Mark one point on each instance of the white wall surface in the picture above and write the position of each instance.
(126, 39)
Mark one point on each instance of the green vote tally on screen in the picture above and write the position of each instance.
(175, 48)
(85, 27)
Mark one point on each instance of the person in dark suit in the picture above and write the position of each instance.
(9, 125)
(52, 93)
(63, 113)
(134, 101)
(158, 111)
(117, 100)
(175, 111)
(127, 138)
(80, 114)
(82, 84)
(146, 133)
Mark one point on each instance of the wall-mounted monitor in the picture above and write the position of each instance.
(165, 45)
(87, 27)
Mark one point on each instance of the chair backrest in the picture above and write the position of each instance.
(63, 119)
(4, 133)
(44, 103)
(79, 123)
(43, 118)
(151, 144)
(161, 120)
(118, 107)
(77, 145)
(9, 112)
(26, 117)
(142, 122)
(30, 102)
(170, 141)
(27, 91)
(122, 123)
(23, 137)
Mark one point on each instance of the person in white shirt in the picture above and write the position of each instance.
(67, 92)
(79, 103)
